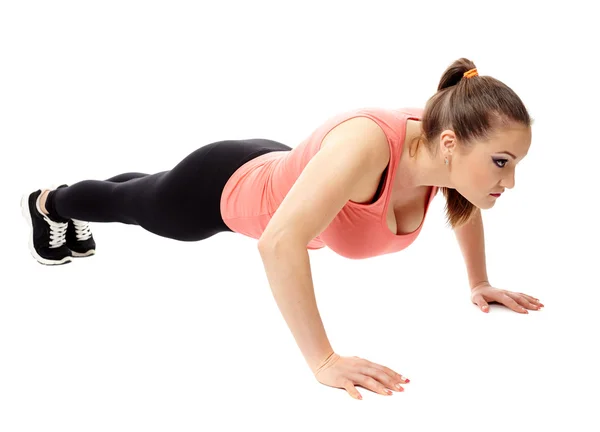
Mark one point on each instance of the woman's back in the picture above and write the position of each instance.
(254, 192)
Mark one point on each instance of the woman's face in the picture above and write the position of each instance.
(488, 167)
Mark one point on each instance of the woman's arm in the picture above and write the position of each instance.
(472, 244)
(288, 270)
(471, 241)
(354, 154)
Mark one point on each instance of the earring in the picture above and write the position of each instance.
(446, 161)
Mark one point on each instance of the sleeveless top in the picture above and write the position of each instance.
(256, 189)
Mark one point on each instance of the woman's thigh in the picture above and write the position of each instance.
(187, 198)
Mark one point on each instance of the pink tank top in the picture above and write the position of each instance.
(255, 190)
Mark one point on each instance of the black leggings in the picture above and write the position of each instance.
(182, 204)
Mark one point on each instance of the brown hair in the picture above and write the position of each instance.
(472, 108)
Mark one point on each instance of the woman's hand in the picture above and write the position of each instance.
(348, 372)
(519, 302)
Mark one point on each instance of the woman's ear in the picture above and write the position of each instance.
(447, 142)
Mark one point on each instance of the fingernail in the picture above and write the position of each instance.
(398, 386)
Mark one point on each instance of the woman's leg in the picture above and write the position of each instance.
(182, 203)
(125, 177)
(120, 178)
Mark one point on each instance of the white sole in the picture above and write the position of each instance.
(82, 255)
(27, 215)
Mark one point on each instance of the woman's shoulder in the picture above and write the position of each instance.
(359, 130)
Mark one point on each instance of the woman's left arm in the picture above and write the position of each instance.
(471, 240)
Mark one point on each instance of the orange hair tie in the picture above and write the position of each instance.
(471, 73)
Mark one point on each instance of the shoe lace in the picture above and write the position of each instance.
(58, 231)
(82, 230)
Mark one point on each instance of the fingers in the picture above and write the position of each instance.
(531, 299)
(511, 304)
(349, 386)
(375, 377)
(394, 375)
(390, 378)
(388, 381)
(370, 384)
(523, 301)
(480, 301)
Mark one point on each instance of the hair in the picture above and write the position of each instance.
(473, 108)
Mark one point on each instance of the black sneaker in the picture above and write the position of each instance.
(79, 236)
(46, 237)
(80, 239)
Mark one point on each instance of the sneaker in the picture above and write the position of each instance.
(79, 239)
(79, 235)
(47, 238)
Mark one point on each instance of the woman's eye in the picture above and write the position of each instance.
(500, 162)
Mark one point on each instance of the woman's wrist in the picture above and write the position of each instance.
(327, 361)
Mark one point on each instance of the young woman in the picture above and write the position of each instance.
(360, 184)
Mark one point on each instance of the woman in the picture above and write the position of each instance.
(360, 184)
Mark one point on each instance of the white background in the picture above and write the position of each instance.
(152, 334)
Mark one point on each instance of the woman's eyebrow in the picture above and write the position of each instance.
(509, 153)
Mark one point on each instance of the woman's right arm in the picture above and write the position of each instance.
(353, 154)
